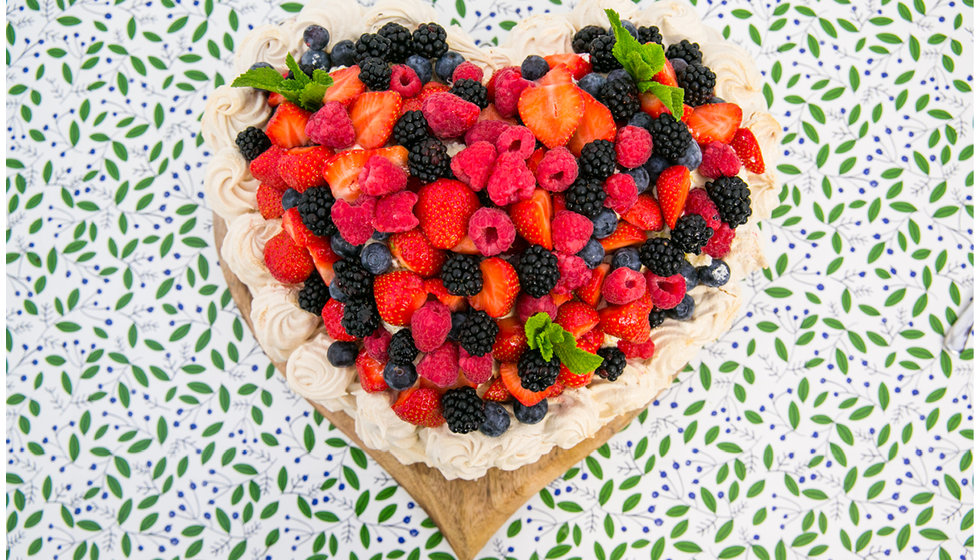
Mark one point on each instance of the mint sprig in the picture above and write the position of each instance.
(552, 340)
(643, 62)
(301, 90)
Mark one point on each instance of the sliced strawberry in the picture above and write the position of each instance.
(747, 149)
(512, 381)
(420, 406)
(652, 105)
(511, 340)
(296, 229)
(500, 288)
(559, 74)
(716, 121)
(552, 112)
(341, 173)
(597, 123)
(374, 114)
(496, 391)
(666, 76)
(346, 86)
(591, 341)
(626, 234)
(645, 214)
(323, 259)
(672, 187)
(560, 299)
(395, 154)
(686, 116)
(532, 218)
(535, 159)
(268, 201)
(370, 373)
(592, 291)
(287, 262)
(287, 127)
(577, 317)
(414, 251)
(444, 209)
(467, 246)
(332, 314)
(436, 288)
(302, 168)
(265, 168)
(275, 99)
(630, 321)
(577, 65)
(398, 294)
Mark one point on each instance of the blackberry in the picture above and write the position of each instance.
(698, 82)
(622, 98)
(472, 91)
(600, 53)
(360, 317)
(613, 363)
(478, 333)
(598, 159)
(691, 233)
(585, 196)
(428, 160)
(430, 40)
(657, 317)
(536, 373)
(671, 137)
(252, 142)
(352, 279)
(686, 50)
(401, 349)
(461, 275)
(410, 129)
(650, 34)
(731, 196)
(662, 257)
(537, 271)
(314, 209)
(400, 45)
(463, 410)
(375, 73)
(314, 294)
(371, 45)
(582, 39)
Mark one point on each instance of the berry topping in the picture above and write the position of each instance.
(621, 96)
(582, 39)
(347, 85)
(645, 214)
(447, 64)
(342, 354)
(629, 321)
(717, 121)
(448, 115)
(314, 209)
(634, 146)
(721, 242)
(510, 180)
(620, 190)
(747, 148)
(393, 213)
(698, 202)
(265, 168)
(370, 373)
(661, 256)
(381, 177)
(527, 306)
(354, 221)
(430, 325)
(444, 209)
(401, 348)
(732, 198)
(376, 258)
(374, 114)
(269, 201)
(649, 34)
(585, 196)
(400, 376)
(314, 294)
(578, 66)
(461, 275)
(552, 112)
(414, 252)
(665, 291)
(429, 160)
(626, 234)
(398, 295)
(672, 188)
(516, 140)
(511, 341)
(686, 50)
(333, 312)
(302, 168)
(470, 90)
(476, 369)
(500, 288)
(491, 231)
(508, 87)
(287, 262)
(496, 419)
(597, 124)
(405, 81)
(557, 170)
(410, 129)
(371, 45)
(601, 55)
(473, 164)
(577, 317)
(715, 274)
(591, 291)
(624, 285)
(570, 231)
(573, 273)
(486, 131)
(698, 83)
(463, 410)
(360, 317)
(400, 44)
(287, 127)
(316, 37)
(468, 71)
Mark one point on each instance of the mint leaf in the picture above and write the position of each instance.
(322, 78)
(652, 54)
(672, 97)
(267, 79)
(535, 324)
(298, 74)
(577, 361)
(643, 62)
(551, 339)
(311, 97)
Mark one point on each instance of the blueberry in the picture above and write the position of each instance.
(684, 309)
(342, 354)
(399, 376)
(655, 166)
(314, 60)
(593, 253)
(591, 83)
(316, 37)
(422, 67)
(641, 120)
(343, 53)
(678, 64)
(628, 257)
(376, 258)
(716, 99)
(628, 25)
(446, 64)
(641, 177)
(690, 274)
(604, 224)
(619, 74)
(530, 414)
(343, 248)
(336, 294)
(458, 317)
(715, 274)
(534, 67)
(260, 65)
(692, 156)
(290, 198)
(496, 419)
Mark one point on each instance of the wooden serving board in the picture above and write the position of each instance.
(468, 512)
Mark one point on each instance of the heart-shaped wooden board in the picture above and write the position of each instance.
(468, 512)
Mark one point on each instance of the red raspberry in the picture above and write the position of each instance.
(380, 177)
(573, 273)
(441, 365)
(721, 242)
(393, 213)
(354, 221)
(624, 285)
(528, 306)
(430, 325)
(448, 115)
(642, 350)
(491, 230)
(472, 165)
(507, 90)
(517, 139)
(718, 160)
(666, 292)
(405, 81)
(476, 369)
(570, 231)
(510, 181)
(485, 131)
(633, 146)
(468, 71)
(621, 193)
(331, 126)
(557, 170)
(698, 202)
(376, 344)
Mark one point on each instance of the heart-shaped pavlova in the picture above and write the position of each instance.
(480, 254)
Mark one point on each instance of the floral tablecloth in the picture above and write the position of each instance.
(833, 421)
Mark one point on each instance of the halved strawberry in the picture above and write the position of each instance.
(500, 288)
(444, 209)
(420, 406)
(577, 317)
(552, 112)
(293, 224)
(560, 299)
(591, 292)
(287, 127)
(374, 114)
(436, 288)
(370, 373)
(532, 218)
(578, 66)
(269, 201)
(652, 105)
(645, 214)
(512, 381)
(302, 168)
(323, 259)
(597, 123)
(467, 246)
(332, 314)
(398, 294)
(275, 99)
(496, 391)
(747, 149)
(341, 173)
(688, 111)
(591, 341)
(395, 154)
(265, 168)
(630, 321)
(346, 86)
(716, 121)
(511, 340)
(626, 234)
(414, 251)
(557, 75)
(672, 187)
(666, 76)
